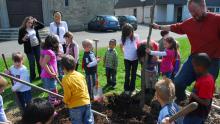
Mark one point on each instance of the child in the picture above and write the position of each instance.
(152, 69)
(170, 53)
(129, 43)
(39, 111)
(19, 71)
(48, 64)
(111, 63)
(165, 94)
(76, 95)
(89, 64)
(3, 84)
(203, 90)
(59, 54)
(72, 47)
(164, 35)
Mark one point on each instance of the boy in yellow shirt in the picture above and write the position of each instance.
(76, 95)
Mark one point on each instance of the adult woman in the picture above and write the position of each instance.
(59, 28)
(29, 37)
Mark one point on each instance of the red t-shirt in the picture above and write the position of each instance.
(205, 87)
(204, 36)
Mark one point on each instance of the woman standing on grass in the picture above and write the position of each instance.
(128, 45)
(59, 28)
(29, 36)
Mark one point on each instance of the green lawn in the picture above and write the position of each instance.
(9, 101)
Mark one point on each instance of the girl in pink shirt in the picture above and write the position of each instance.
(169, 55)
(48, 64)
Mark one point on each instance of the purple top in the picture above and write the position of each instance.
(52, 62)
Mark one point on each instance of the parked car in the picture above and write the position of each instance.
(128, 19)
(104, 23)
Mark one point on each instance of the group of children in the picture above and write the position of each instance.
(78, 89)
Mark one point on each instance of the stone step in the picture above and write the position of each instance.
(12, 33)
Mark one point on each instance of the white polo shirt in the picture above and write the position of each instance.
(63, 28)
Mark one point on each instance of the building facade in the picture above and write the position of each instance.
(76, 13)
(166, 11)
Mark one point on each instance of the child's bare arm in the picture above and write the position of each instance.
(44, 65)
(205, 102)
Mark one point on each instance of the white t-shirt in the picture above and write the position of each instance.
(130, 48)
(63, 28)
(21, 73)
(33, 38)
(3, 117)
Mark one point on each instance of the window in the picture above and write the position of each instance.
(135, 12)
(211, 9)
(66, 2)
(217, 10)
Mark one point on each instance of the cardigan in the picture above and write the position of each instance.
(23, 32)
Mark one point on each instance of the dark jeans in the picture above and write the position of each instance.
(24, 98)
(64, 48)
(187, 75)
(33, 56)
(91, 82)
(130, 70)
(111, 76)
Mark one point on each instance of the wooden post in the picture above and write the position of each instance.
(96, 46)
(144, 65)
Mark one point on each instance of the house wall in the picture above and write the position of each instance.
(130, 11)
(185, 13)
(79, 12)
(160, 13)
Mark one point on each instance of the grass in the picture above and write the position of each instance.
(9, 100)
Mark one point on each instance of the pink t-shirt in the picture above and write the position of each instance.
(52, 62)
(166, 64)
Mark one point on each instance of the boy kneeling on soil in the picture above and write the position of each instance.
(165, 94)
(203, 90)
(76, 95)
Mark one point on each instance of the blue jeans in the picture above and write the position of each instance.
(111, 76)
(193, 120)
(187, 75)
(82, 115)
(33, 56)
(24, 98)
(130, 71)
(49, 83)
(91, 82)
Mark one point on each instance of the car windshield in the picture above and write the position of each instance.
(132, 18)
(111, 18)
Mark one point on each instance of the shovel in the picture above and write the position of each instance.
(97, 90)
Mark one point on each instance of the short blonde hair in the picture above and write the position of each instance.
(165, 90)
(17, 57)
(87, 43)
(3, 82)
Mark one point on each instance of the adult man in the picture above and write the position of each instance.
(203, 31)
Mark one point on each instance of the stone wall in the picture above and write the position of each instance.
(78, 13)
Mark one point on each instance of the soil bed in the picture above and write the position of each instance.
(120, 109)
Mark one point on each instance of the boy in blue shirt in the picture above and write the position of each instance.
(165, 94)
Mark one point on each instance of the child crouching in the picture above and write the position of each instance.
(76, 95)
(165, 94)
